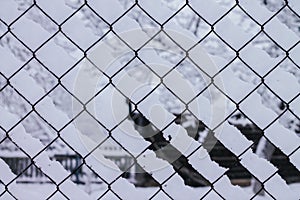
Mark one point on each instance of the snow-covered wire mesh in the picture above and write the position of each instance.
(74, 125)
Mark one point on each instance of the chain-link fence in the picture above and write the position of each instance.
(165, 99)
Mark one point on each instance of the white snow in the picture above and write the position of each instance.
(172, 188)
(109, 106)
(75, 29)
(130, 138)
(261, 116)
(10, 64)
(58, 61)
(9, 121)
(57, 9)
(161, 15)
(295, 5)
(209, 10)
(53, 169)
(8, 11)
(33, 35)
(231, 137)
(279, 32)
(159, 169)
(6, 173)
(263, 170)
(260, 14)
(226, 29)
(278, 80)
(186, 145)
(29, 90)
(258, 60)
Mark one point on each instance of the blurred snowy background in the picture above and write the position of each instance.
(254, 46)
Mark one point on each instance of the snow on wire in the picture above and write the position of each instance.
(72, 127)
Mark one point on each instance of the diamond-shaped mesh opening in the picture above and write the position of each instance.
(53, 62)
(27, 28)
(72, 84)
(78, 173)
(284, 43)
(136, 81)
(12, 10)
(203, 11)
(105, 11)
(274, 80)
(85, 20)
(64, 101)
(254, 98)
(242, 18)
(15, 53)
(21, 108)
(59, 11)
(190, 21)
(293, 17)
(42, 109)
(216, 47)
(113, 54)
(130, 99)
(32, 91)
(244, 87)
(101, 103)
(160, 16)
(226, 35)
(91, 181)
(136, 19)
(263, 42)
(40, 74)
(38, 128)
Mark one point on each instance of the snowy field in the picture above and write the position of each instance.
(42, 191)
(85, 85)
(45, 190)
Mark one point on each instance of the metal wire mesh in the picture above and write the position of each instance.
(30, 39)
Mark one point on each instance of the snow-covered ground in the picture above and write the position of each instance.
(57, 70)
(42, 191)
